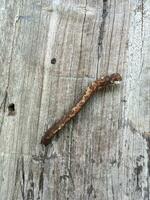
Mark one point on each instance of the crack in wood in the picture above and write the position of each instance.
(82, 32)
(101, 31)
(3, 104)
(22, 181)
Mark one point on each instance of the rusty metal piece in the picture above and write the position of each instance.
(95, 86)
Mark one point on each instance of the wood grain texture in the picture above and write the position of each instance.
(104, 153)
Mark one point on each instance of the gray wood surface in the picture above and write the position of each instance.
(104, 153)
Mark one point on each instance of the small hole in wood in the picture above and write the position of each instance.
(53, 61)
(11, 109)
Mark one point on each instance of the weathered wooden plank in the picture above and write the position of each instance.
(104, 152)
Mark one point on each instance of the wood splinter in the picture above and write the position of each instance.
(95, 86)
